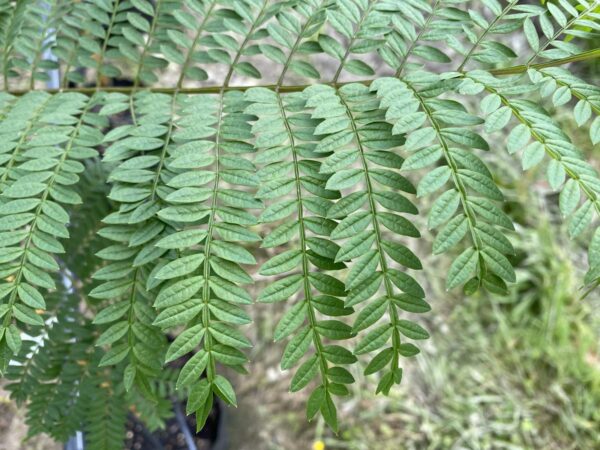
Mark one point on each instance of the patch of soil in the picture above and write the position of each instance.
(13, 429)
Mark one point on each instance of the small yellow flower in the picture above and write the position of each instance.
(318, 445)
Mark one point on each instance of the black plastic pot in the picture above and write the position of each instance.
(179, 433)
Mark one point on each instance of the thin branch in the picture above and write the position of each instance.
(481, 38)
(417, 39)
(561, 31)
(513, 70)
(590, 54)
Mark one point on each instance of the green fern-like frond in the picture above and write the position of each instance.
(353, 129)
(450, 133)
(563, 86)
(292, 185)
(354, 113)
(38, 181)
(559, 25)
(105, 413)
(55, 374)
(202, 277)
(138, 160)
(534, 123)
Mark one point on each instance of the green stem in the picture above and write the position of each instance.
(17, 151)
(290, 56)
(105, 43)
(561, 31)
(513, 70)
(38, 211)
(140, 65)
(39, 44)
(131, 314)
(164, 152)
(210, 373)
(140, 61)
(188, 57)
(247, 39)
(575, 92)
(65, 78)
(211, 221)
(413, 44)
(484, 34)
(589, 192)
(353, 39)
(8, 33)
(389, 288)
(462, 191)
(312, 320)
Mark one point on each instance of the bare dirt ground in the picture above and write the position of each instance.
(13, 430)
